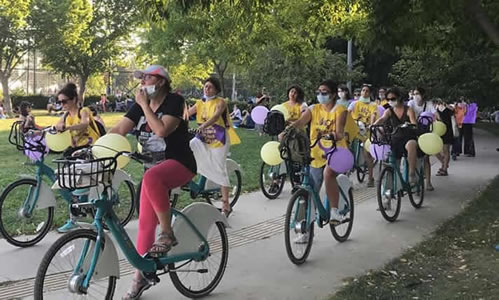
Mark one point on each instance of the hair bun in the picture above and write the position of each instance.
(71, 86)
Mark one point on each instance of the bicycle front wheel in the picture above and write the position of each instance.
(195, 279)
(342, 230)
(389, 200)
(271, 184)
(18, 226)
(56, 278)
(298, 234)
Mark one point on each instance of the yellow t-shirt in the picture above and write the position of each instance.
(363, 111)
(323, 122)
(214, 137)
(351, 129)
(82, 137)
(294, 110)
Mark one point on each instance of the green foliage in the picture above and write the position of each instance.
(79, 37)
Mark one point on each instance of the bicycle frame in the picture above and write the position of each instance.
(199, 213)
(403, 177)
(322, 209)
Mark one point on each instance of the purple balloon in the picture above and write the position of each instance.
(381, 110)
(258, 114)
(379, 152)
(341, 160)
(32, 142)
(426, 118)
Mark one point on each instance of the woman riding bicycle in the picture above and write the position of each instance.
(365, 111)
(325, 118)
(212, 142)
(404, 140)
(81, 126)
(158, 116)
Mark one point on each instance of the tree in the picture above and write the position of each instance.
(14, 41)
(80, 37)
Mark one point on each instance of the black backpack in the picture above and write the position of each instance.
(295, 146)
(274, 123)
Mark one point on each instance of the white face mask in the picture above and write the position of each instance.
(150, 90)
(342, 95)
(365, 100)
(417, 98)
(208, 98)
(392, 103)
(381, 96)
(323, 99)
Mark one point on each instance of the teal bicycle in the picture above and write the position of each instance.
(27, 205)
(305, 208)
(393, 183)
(84, 263)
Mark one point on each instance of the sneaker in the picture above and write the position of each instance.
(454, 156)
(335, 217)
(302, 238)
(370, 183)
(70, 225)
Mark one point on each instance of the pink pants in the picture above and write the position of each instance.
(156, 184)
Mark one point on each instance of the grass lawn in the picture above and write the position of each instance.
(460, 261)
(247, 154)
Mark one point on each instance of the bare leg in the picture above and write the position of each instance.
(427, 169)
(412, 157)
(446, 157)
(331, 187)
(370, 164)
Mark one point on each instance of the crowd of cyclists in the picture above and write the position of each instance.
(160, 120)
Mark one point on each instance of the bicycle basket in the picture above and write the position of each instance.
(78, 174)
(380, 134)
(31, 143)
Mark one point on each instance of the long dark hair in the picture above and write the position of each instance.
(345, 89)
(215, 82)
(69, 90)
(23, 107)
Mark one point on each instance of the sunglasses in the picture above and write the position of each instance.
(63, 101)
(356, 94)
(391, 99)
(321, 93)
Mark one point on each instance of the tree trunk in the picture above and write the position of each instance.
(220, 69)
(83, 87)
(7, 103)
(483, 19)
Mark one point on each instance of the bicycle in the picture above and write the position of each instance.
(89, 265)
(27, 204)
(305, 207)
(393, 183)
(272, 178)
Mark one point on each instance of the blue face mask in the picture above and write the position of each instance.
(365, 100)
(343, 102)
(323, 99)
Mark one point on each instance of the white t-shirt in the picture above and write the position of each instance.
(496, 116)
(427, 106)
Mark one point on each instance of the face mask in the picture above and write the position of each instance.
(356, 98)
(150, 90)
(381, 96)
(343, 102)
(342, 95)
(365, 100)
(392, 103)
(441, 108)
(208, 98)
(417, 98)
(323, 99)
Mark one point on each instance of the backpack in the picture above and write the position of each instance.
(295, 146)
(274, 124)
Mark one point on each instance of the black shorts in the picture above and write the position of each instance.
(398, 147)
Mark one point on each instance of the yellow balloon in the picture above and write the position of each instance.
(367, 145)
(282, 109)
(430, 143)
(270, 153)
(58, 142)
(109, 145)
(439, 128)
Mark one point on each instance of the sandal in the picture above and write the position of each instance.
(430, 188)
(441, 173)
(139, 286)
(163, 244)
(227, 212)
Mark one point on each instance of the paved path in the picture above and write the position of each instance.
(258, 267)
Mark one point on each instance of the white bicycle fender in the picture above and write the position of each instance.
(203, 216)
(46, 198)
(345, 185)
(231, 166)
(108, 263)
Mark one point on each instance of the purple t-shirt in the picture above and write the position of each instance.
(470, 116)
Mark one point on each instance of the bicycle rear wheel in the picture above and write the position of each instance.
(55, 272)
(416, 193)
(234, 191)
(298, 235)
(195, 279)
(342, 230)
(124, 206)
(389, 200)
(271, 184)
(17, 226)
